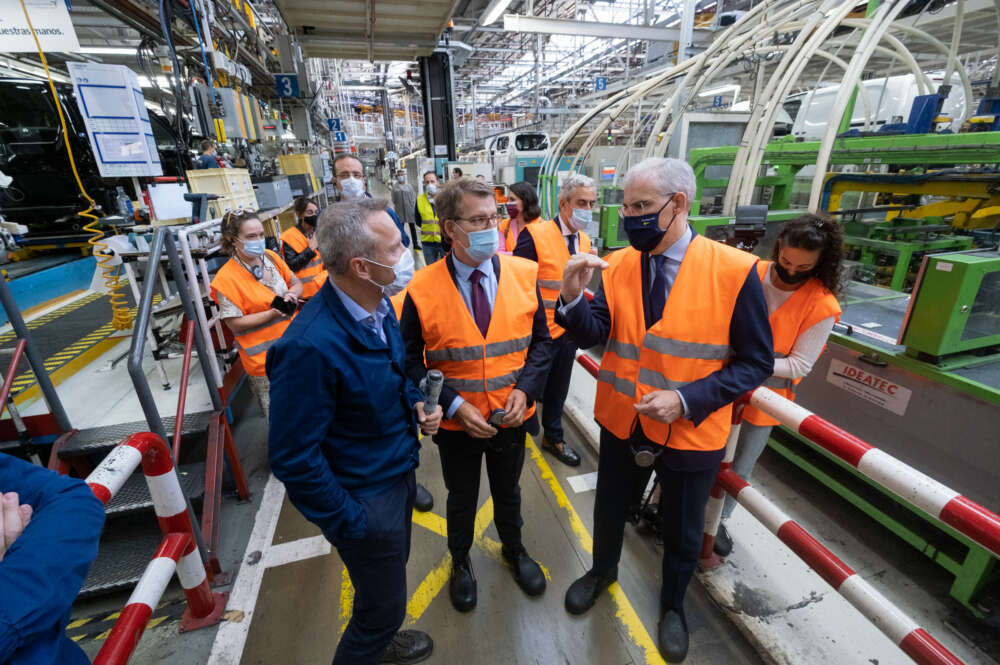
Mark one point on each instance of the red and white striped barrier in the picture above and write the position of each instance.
(717, 498)
(178, 551)
(965, 516)
(902, 630)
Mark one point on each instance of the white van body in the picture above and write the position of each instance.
(889, 100)
(506, 149)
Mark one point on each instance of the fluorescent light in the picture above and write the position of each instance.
(721, 90)
(493, 11)
(108, 50)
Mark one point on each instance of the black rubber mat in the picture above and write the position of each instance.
(101, 439)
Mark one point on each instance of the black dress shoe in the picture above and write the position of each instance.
(527, 573)
(561, 452)
(407, 647)
(582, 593)
(672, 634)
(423, 501)
(462, 587)
(723, 541)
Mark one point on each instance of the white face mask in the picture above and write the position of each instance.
(431, 189)
(402, 274)
(580, 219)
(352, 189)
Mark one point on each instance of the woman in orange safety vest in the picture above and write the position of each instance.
(298, 248)
(800, 283)
(523, 209)
(246, 289)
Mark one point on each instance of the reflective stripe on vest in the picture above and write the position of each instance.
(483, 371)
(430, 230)
(550, 247)
(239, 287)
(807, 306)
(313, 274)
(688, 343)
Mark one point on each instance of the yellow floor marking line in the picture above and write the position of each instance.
(624, 611)
(431, 522)
(29, 396)
(346, 599)
(78, 623)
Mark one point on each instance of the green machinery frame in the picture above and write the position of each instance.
(788, 157)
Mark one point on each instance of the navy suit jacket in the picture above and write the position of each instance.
(751, 361)
(342, 419)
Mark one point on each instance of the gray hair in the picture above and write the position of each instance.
(573, 182)
(667, 174)
(343, 233)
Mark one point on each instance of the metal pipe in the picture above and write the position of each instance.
(138, 346)
(182, 387)
(182, 236)
(189, 312)
(34, 357)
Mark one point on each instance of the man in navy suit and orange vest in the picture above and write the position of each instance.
(685, 328)
(550, 244)
(479, 319)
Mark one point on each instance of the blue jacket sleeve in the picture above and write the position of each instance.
(588, 322)
(296, 368)
(752, 359)
(399, 225)
(525, 247)
(43, 570)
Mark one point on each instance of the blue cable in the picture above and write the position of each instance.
(201, 45)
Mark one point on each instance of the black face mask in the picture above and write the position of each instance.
(789, 278)
(311, 220)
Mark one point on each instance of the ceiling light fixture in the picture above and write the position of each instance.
(493, 11)
(108, 50)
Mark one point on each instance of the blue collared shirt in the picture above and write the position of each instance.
(463, 273)
(367, 319)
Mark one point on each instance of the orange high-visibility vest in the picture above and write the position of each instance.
(240, 287)
(313, 274)
(688, 343)
(550, 245)
(507, 227)
(807, 306)
(397, 303)
(482, 370)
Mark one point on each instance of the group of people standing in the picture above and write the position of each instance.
(688, 325)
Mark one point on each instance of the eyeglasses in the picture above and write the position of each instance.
(642, 207)
(482, 222)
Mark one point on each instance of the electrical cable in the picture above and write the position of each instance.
(121, 317)
(201, 45)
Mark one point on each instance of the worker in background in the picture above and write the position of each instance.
(352, 185)
(248, 289)
(404, 200)
(50, 526)
(456, 173)
(207, 158)
(550, 244)
(478, 318)
(499, 195)
(426, 213)
(685, 326)
(298, 248)
(348, 437)
(523, 209)
(801, 283)
(481, 178)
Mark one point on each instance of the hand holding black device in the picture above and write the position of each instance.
(286, 307)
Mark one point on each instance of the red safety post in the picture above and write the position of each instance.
(204, 607)
(965, 516)
(182, 387)
(128, 629)
(901, 629)
(717, 499)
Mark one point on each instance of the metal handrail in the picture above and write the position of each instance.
(8, 379)
(194, 291)
(182, 388)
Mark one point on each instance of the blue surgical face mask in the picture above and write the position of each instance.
(644, 232)
(580, 219)
(254, 247)
(482, 244)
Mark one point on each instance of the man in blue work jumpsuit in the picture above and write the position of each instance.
(43, 564)
(345, 422)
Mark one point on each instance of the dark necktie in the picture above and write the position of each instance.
(480, 303)
(571, 244)
(658, 292)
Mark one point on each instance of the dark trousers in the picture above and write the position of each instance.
(433, 251)
(461, 462)
(557, 387)
(377, 566)
(683, 495)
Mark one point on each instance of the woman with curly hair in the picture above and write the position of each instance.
(801, 283)
(523, 208)
(249, 289)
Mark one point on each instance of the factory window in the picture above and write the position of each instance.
(531, 142)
